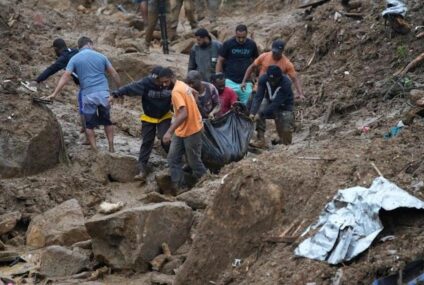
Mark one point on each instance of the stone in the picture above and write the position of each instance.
(184, 46)
(2, 246)
(8, 222)
(155, 197)
(172, 266)
(161, 279)
(416, 96)
(30, 138)
(61, 225)
(244, 207)
(116, 167)
(130, 45)
(131, 238)
(197, 198)
(60, 261)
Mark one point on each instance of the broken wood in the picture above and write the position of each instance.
(420, 35)
(376, 169)
(417, 61)
(328, 113)
(313, 4)
(352, 15)
(290, 235)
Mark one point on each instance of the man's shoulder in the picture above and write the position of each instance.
(263, 79)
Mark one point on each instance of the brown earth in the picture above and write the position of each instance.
(346, 66)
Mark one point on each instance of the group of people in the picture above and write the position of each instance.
(173, 110)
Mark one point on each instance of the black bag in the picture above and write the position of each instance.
(226, 139)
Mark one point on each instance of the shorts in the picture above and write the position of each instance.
(100, 117)
(80, 103)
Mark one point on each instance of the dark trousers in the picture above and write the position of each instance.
(191, 147)
(284, 123)
(148, 134)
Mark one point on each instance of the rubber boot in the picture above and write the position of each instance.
(260, 141)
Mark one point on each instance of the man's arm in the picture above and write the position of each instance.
(115, 76)
(220, 64)
(133, 89)
(62, 82)
(192, 60)
(259, 96)
(59, 64)
(284, 97)
(297, 85)
(179, 119)
(247, 75)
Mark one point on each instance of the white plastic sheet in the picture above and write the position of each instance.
(397, 7)
(350, 222)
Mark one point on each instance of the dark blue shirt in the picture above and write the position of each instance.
(238, 57)
(280, 97)
(60, 63)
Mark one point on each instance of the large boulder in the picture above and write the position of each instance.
(59, 261)
(8, 222)
(131, 238)
(244, 208)
(30, 138)
(116, 167)
(133, 66)
(62, 225)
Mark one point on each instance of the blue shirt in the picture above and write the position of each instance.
(90, 66)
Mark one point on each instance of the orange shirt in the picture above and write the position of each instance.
(183, 97)
(265, 60)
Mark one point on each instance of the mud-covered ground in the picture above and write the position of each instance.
(346, 65)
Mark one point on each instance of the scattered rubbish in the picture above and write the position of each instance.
(223, 179)
(316, 158)
(338, 278)
(394, 131)
(337, 16)
(392, 251)
(417, 61)
(28, 86)
(395, 7)
(350, 222)
(109, 208)
(121, 8)
(236, 263)
(412, 274)
(387, 238)
(40, 100)
(417, 186)
(346, 73)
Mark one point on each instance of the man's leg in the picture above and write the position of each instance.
(189, 12)
(148, 132)
(104, 119)
(175, 157)
(91, 123)
(174, 17)
(193, 151)
(162, 127)
(152, 19)
(284, 123)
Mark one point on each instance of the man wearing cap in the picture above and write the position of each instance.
(204, 54)
(275, 57)
(64, 55)
(273, 100)
(155, 120)
(227, 97)
(207, 96)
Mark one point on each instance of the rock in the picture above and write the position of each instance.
(184, 46)
(60, 261)
(131, 238)
(155, 197)
(158, 262)
(197, 198)
(8, 222)
(136, 66)
(8, 256)
(87, 244)
(30, 138)
(55, 5)
(170, 267)
(243, 209)
(127, 120)
(416, 96)
(161, 279)
(62, 225)
(137, 24)
(116, 167)
(130, 45)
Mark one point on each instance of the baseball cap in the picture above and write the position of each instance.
(156, 71)
(274, 72)
(203, 33)
(278, 46)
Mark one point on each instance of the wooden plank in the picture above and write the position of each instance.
(312, 3)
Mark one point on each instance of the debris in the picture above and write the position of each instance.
(8, 222)
(387, 238)
(338, 278)
(350, 222)
(312, 3)
(316, 158)
(28, 86)
(417, 61)
(417, 186)
(395, 7)
(236, 262)
(223, 179)
(290, 235)
(337, 16)
(109, 208)
(376, 169)
(412, 274)
(394, 131)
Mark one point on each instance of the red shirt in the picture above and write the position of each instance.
(227, 98)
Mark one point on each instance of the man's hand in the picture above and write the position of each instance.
(243, 86)
(300, 96)
(211, 116)
(50, 97)
(167, 138)
(254, 118)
